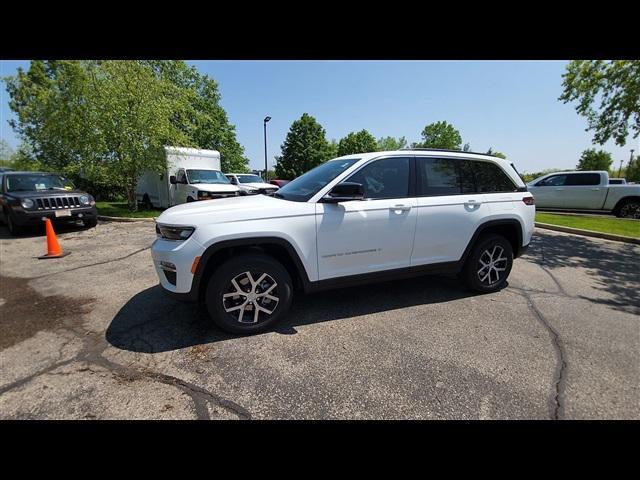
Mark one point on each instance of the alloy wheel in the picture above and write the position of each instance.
(492, 264)
(250, 296)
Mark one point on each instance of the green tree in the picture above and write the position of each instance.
(103, 121)
(595, 160)
(491, 151)
(333, 148)
(357, 142)
(391, 143)
(441, 135)
(6, 153)
(304, 148)
(608, 96)
(209, 125)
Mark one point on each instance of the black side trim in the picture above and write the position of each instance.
(383, 276)
(242, 242)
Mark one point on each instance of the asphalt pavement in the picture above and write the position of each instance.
(92, 336)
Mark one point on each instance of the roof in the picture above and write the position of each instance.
(191, 151)
(429, 152)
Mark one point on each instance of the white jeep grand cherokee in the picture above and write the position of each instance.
(371, 216)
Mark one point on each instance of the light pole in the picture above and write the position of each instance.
(266, 119)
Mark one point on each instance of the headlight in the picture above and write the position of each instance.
(26, 203)
(202, 194)
(174, 233)
(86, 200)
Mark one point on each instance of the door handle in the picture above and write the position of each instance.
(400, 208)
(559, 189)
(595, 189)
(472, 202)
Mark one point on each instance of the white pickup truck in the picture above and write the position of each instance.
(581, 190)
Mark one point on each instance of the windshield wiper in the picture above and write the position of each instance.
(56, 188)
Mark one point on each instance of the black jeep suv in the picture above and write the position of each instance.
(27, 197)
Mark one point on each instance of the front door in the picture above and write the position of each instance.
(180, 190)
(550, 192)
(374, 234)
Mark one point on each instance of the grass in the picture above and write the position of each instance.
(616, 226)
(120, 209)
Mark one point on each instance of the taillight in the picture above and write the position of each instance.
(528, 201)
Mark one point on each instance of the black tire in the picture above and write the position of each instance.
(190, 199)
(220, 283)
(473, 270)
(629, 209)
(90, 223)
(14, 229)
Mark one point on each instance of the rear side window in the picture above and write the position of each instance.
(438, 176)
(444, 176)
(576, 179)
(386, 178)
(490, 178)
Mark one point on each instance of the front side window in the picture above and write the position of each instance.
(306, 186)
(386, 178)
(553, 181)
(249, 179)
(30, 183)
(181, 178)
(577, 179)
(206, 176)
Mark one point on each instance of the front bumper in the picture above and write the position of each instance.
(34, 217)
(178, 280)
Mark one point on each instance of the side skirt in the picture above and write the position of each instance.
(383, 276)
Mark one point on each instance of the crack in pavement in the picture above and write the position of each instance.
(557, 407)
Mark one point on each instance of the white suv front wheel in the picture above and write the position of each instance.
(249, 293)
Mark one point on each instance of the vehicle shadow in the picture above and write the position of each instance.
(615, 271)
(153, 322)
(39, 230)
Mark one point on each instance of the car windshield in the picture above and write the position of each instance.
(206, 176)
(306, 186)
(250, 179)
(37, 183)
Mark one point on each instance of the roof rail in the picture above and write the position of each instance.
(448, 150)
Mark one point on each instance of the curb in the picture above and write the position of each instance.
(125, 219)
(589, 233)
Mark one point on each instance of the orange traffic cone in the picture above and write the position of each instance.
(53, 247)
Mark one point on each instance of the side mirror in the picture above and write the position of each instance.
(344, 192)
(172, 180)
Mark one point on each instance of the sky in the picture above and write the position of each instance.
(510, 106)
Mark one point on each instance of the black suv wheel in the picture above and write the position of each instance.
(14, 229)
(249, 293)
(489, 264)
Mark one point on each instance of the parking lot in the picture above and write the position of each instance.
(92, 336)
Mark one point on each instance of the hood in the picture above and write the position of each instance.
(259, 185)
(214, 187)
(233, 209)
(47, 193)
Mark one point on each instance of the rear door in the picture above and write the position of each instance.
(584, 191)
(449, 209)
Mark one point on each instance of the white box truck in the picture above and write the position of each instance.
(191, 174)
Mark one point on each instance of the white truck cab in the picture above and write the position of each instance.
(585, 190)
(191, 174)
